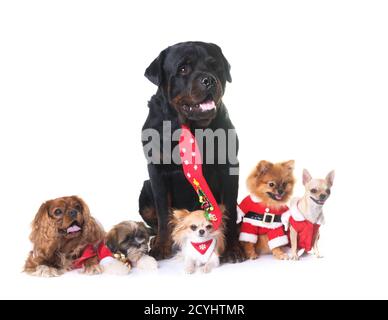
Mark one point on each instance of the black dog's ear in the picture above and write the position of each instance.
(227, 69)
(154, 72)
(224, 60)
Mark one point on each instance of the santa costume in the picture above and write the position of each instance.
(259, 219)
(305, 229)
(101, 251)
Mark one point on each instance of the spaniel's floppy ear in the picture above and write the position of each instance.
(43, 227)
(224, 61)
(154, 72)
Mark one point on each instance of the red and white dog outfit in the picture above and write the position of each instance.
(101, 251)
(259, 219)
(200, 251)
(306, 229)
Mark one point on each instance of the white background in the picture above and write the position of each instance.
(310, 83)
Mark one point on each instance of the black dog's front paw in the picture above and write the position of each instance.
(234, 253)
(159, 250)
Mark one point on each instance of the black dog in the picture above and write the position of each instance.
(190, 76)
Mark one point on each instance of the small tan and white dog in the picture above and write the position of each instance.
(306, 215)
(201, 245)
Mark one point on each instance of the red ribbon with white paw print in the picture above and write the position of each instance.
(192, 168)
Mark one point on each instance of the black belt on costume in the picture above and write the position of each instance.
(264, 217)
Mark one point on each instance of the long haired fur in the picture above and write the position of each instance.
(273, 184)
(182, 233)
(54, 250)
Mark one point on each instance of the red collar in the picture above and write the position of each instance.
(202, 247)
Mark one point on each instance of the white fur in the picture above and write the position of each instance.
(114, 267)
(278, 242)
(147, 262)
(46, 272)
(194, 259)
(248, 237)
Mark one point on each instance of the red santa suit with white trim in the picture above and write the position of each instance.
(254, 215)
(305, 229)
(101, 251)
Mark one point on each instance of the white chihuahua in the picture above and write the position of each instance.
(306, 216)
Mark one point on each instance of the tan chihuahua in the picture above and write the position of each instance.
(306, 216)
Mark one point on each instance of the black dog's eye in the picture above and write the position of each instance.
(271, 184)
(313, 190)
(184, 69)
(212, 63)
(328, 191)
(193, 227)
(209, 226)
(58, 212)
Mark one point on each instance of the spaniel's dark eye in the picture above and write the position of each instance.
(271, 184)
(209, 227)
(328, 191)
(193, 227)
(58, 212)
(77, 207)
(284, 185)
(313, 190)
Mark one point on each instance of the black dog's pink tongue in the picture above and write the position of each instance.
(73, 229)
(207, 105)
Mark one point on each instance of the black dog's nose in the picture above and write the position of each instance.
(73, 214)
(322, 196)
(201, 232)
(208, 82)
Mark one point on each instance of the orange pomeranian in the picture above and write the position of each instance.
(262, 230)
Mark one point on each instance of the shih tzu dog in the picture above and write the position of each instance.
(65, 237)
(201, 245)
(129, 242)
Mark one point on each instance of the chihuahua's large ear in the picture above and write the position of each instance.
(154, 72)
(330, 178)
(263, 167)
(306, 177)
(290, 165)
(180, 214)
(224, 61)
